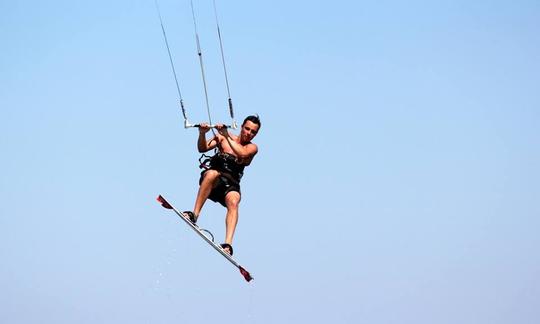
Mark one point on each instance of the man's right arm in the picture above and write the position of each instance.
(202, 144)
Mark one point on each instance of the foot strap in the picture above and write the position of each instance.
(191, 216)
(227, 246)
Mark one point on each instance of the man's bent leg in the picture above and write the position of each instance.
(209, 181)
(232, 200)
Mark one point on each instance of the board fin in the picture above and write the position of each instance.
(245, 273)
(164, 202)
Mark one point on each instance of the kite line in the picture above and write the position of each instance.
(187, 124)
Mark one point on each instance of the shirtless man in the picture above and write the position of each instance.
(221, 181)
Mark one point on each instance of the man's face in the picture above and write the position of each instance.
(248, 132)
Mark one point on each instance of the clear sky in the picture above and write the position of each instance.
(397, 179)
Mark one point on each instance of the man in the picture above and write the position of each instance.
(221, 180)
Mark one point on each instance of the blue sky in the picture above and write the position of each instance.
(396, 181)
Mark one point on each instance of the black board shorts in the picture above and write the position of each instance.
(225, 185)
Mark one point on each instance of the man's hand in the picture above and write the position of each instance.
(222, 130)
(204, 128)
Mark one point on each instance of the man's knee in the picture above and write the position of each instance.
(232, 199)
(210, 175)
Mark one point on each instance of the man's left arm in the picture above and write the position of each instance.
(245, 152)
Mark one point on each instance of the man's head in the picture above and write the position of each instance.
(250, 128)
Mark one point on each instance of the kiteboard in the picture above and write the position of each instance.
(202, 234)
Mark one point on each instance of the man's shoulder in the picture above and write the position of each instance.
(253, 145)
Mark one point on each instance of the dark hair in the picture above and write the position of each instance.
(254, 119)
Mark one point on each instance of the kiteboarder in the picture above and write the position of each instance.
(220, 179)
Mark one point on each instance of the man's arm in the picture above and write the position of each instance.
(244, 152)
(202, 144)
